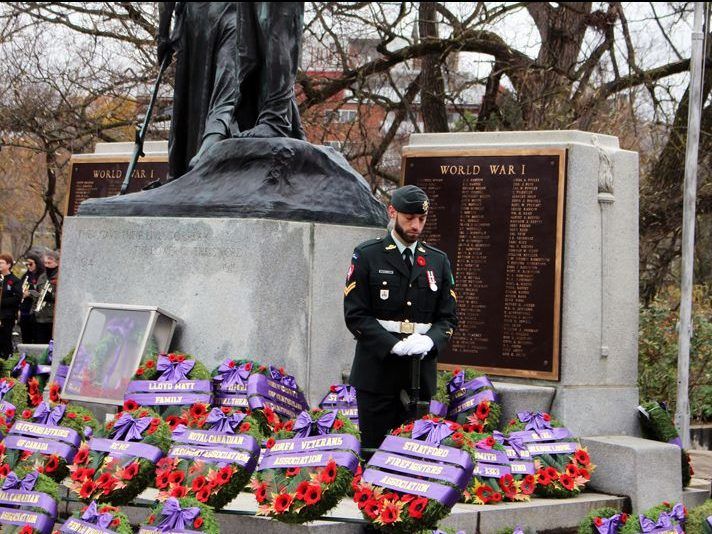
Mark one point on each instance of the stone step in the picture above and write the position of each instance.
(697, 492)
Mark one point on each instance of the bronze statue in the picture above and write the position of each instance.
(236, 63)
(236, 146)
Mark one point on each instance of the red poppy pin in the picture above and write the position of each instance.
(421, 261)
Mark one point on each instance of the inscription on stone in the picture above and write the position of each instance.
(93, 178)
(499, 216)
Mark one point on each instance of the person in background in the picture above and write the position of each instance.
(10, 297)
(28, 325)
(44, 296)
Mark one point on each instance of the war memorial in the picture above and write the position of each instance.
(198, 378)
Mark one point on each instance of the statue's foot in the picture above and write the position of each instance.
(262, 130)
(209, 141)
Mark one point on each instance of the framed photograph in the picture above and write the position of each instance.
(111, 345)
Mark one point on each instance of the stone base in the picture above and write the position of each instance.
(648, 472)
(32, 349)
(595, 410)
(265, 289)
(515, 398)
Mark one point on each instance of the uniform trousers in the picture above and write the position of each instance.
(378, 414)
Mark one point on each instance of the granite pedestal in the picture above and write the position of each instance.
(264, 289)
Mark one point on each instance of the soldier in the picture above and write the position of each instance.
(399, 303)
(10, 297)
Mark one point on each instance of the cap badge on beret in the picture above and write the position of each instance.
(426, 204)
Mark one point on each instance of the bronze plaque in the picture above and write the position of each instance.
(499, 215)
(93, 177)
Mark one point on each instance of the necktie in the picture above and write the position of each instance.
(408, 258)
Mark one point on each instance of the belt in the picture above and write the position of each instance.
(404, 327)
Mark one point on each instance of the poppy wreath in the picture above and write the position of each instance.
(47, 438)
(563, 467)
(295, 487)
(167, 382)
(212, 458)
(13, 399)
(97, 518)
(657, 425)
(605, 520)
(120, 464)
(342, 397)
(181, 515)
(416, 476)
(23, 367)
(271, 387)
(467, 397)
(230, 381)
(28, 502)
(660, 519)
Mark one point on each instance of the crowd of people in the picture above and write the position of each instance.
(27, 301)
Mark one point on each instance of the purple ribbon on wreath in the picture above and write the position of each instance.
(277, 375)
(678, 512)
(222, 422)
(305, 427)
(91, 515)
(44, 414)
(176, 517)
(173, 371)
(5, 387)
(12, 481)
(345, 393)
(534, 421)
(647, 525)
(456, 382)
(434, 432)
(609, 525)
(128, 429)
(22, 370)
(232, 375)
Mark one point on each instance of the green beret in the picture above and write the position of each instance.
(410, 199)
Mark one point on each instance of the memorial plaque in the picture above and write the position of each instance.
(499, 215)
(92, 177)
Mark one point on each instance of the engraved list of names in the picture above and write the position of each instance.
(499, 217)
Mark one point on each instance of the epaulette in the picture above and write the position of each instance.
(431, 247)
(371, 242)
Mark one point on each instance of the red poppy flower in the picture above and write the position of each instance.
(86, 418)
(313, 494)
(496, 497)
(130, 405)
(115, 523)
(483, 410)
(270, 443)
(26, 414)
(546, 417)
(151, 519)
(203, 495)
(484, 493)
(179, 492)
(289, 425)
(130, 471)
(198, 410)
(328, 474)
(150, 364)
(162, 481)
(248, 366)
(87, 489)
(490, 441)
(506, 480)
(72, 415)
(582, 457)
(293, 471)
(198, 483)
(139, 371)
(282, 502)
(198, 522)
(338, 424)
(176, 477)
(244, 427)
(458, 436)
(553, 473)
(261, 493)
(82, 456)
(180, 357)
(572, 470)
(224, 475)
(372, 508)
(624, 518)
(421, 261)
(390, 514)
(52, 464)
(598, 521)
(528, 486)
(27, 529)
(417, 507)
(302, 488)
(361, 497)
(408, 427)
(567, 481)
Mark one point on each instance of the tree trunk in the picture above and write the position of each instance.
(432, 88)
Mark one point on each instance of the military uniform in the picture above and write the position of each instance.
(379, 286)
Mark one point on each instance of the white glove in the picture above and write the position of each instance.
(399, 349)
(418, 344)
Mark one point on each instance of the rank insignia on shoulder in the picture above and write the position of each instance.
(349, 288)
(453, 294)
(421, 249)
(448, 332)
(391, 247)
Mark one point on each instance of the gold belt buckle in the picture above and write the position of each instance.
(407, 328)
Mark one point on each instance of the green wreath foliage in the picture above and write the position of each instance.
(697, 517)
(117, 480)
(298, 495)
(148, 371)
(211, 483)
(76, 418)
(632, 526)
(18, 397)
(659, 426)
(204, 522)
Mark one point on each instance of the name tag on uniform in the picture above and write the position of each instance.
(384, 294)
(383, 271)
